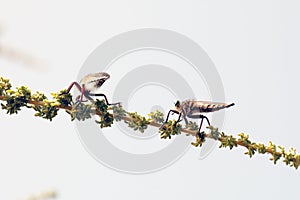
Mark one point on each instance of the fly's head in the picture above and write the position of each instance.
(177, 106)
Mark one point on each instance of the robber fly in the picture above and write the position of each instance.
(193, 109)
(88, 85)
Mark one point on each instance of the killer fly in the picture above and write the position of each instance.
(194, 109)
(88, 85)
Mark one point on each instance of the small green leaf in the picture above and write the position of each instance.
(172, 127)
(118, 112)
(137, 122)
(192, 126)
(63, 97)
(156, 116)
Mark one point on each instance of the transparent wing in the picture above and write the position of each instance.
(94, 81)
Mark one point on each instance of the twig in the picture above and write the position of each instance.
(47, 109)
(124, 118)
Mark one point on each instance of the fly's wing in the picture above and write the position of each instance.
(207, 106)
(94, 81)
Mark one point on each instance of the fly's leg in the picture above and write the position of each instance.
(79, 98)
(179, 120)
(202, 117)
(71, 86)
(171, 111)
(201, 136)
(102, 95)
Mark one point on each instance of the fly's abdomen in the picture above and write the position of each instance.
(214, 107)
(206, 106)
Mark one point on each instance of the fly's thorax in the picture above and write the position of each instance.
(177, 105)
(187, 106)
(89, 88)
(177, 108)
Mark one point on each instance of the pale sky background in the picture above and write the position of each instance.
(254, 46)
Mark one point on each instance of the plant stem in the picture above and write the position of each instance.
(290, 158)
(128, 119)
(125, 118)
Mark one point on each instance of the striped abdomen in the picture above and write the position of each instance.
(194, 106)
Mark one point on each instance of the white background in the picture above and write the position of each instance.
(254, 45)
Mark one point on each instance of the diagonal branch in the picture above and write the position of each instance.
(47, 109)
